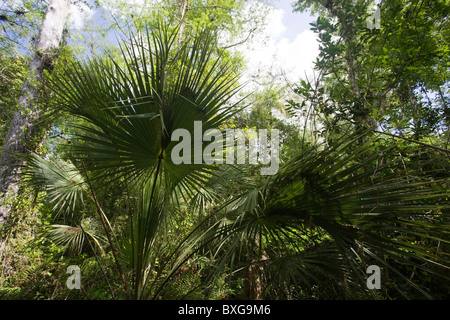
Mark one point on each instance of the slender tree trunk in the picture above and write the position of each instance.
(183, 8)
(24, 127)
(253, 282)
(362, 118)
(254, 279)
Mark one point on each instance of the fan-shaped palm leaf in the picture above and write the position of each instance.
(76, 240)
(61, 180)
(133, 107)
(362, 211)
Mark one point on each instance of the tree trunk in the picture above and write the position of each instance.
(361, 113)
(24, 127)
(254, 279)
(253, 282)
(183, 8)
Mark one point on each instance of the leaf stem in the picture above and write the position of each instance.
(105, 227)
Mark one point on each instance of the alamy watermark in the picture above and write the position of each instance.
(259, 149)
(374, 280)
(74, 281)
(374, 20)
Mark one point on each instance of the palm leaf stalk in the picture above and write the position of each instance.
(108, 230)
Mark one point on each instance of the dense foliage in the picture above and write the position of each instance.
(364, 161)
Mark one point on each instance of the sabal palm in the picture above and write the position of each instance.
(129, 111)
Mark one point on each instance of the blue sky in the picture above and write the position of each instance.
(285, 47)
(295, 22)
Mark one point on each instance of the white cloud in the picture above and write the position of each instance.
(297, 57)
(274, 20)
(271, 56)
(80, 14)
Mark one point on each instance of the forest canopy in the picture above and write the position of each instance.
(142, 159)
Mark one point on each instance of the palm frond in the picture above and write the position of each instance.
(366, 211)
(61, 180)
(79, 239)
(132, 107)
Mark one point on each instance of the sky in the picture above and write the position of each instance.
(286, 48)
(294, 22)
(291, 48)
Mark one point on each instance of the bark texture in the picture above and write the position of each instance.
(24, 125)
(183, 8)
(253, 283)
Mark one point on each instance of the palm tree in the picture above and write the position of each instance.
(128, 111)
